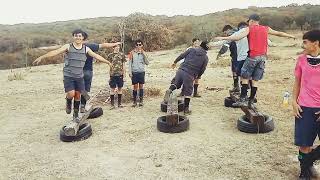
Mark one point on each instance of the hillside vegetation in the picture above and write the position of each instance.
(18, 42)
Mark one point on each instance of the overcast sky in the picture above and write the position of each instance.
(37, 11)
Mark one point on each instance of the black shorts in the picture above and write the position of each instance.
(71, 84)
(138, 78)
(116, 81)
(306, 128)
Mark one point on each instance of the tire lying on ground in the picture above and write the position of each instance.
(244, 125)
(164, 106)
(228, 102)
(96, 112)
(85, 131)
(183, 125)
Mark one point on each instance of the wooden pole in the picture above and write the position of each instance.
(172, 110)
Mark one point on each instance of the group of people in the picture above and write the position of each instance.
(78, 70)
(248, 45)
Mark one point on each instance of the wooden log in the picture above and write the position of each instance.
(254, 117)
(72, 128)
(172, 110)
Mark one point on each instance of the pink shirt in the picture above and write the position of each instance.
(258, 40)
(309, 95)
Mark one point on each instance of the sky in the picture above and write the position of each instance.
(39, 11)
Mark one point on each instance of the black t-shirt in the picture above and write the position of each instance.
(94, 47)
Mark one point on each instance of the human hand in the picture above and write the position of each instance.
(296, 110)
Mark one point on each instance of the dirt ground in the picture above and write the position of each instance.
(126, 143)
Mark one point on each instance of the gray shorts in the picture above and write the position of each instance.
(253, 68)
(71, 84)
(185, 79)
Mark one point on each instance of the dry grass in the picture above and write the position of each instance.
(104, 96)
(222, 62)
(16, 76)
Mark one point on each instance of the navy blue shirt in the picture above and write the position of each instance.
(94, 47)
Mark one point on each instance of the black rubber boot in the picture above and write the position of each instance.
(68, 105)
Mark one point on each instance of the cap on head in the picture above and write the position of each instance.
(254, 17)
(204, 45)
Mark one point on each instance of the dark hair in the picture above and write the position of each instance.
(204, 45)
(226, 28)
(313, 35)
(79, 31)
(138, 41)
(242, 24)
(254, 17)
(195, 39)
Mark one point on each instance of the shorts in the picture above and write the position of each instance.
(306, 128)
(253, 68)
(116, 81)
(239, 65)
(88, 74)
(71, 84)
(138, 78)
(185, 79)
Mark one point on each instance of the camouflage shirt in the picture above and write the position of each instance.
(117, 60)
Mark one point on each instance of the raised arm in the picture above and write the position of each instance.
(98, 57)
(49, 47)
(108, 45)
(279, 33)
(61, 50)
(237, 37)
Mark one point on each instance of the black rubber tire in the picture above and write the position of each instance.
(183, 125)
(244, 125)
(95, 113)
(85, 131)
(180, 106)
(228, 102)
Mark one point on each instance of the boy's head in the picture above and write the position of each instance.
(242, 25)
(195, 42)
(116, 48)
(139, 44)
(227, 29)
(253, 19)
(79, 35)
(311, 41)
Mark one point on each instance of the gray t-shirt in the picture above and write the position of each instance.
(74, 61)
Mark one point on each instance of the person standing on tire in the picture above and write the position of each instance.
(195, 43)
(137, 61)
(117, 74)
(306, 103)
(194, 65)
(253, 67)
(74, 61)
(88, 66)
(238, 50)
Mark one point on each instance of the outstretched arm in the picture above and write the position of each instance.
(50, 47)
(108, 45)
(237, 37)
(279, 33)
(98, 57)
(61, 50)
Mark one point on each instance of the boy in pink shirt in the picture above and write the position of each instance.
(306, 103)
